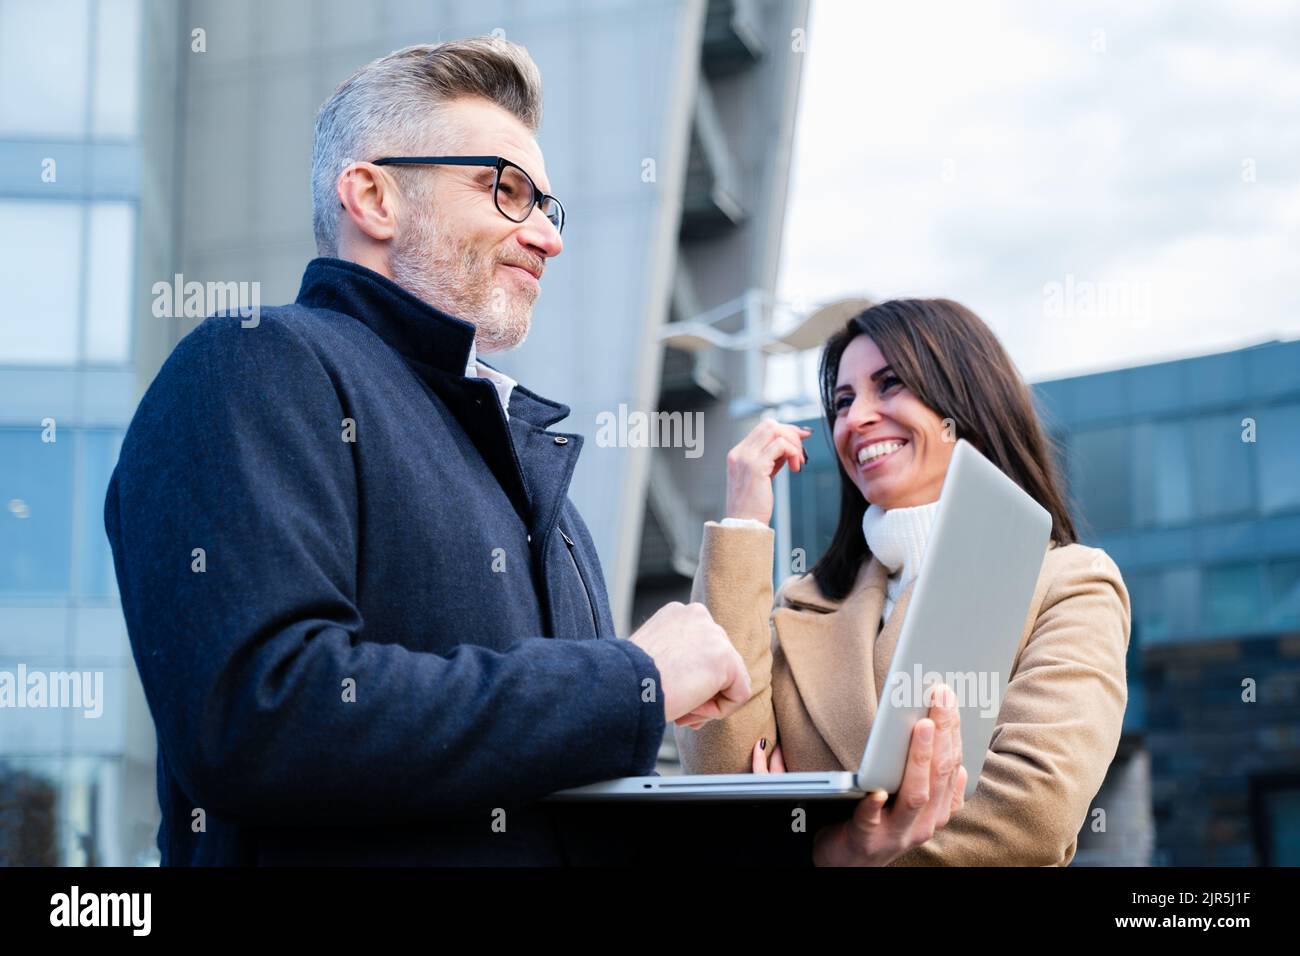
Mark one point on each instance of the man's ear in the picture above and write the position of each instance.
(369, 199)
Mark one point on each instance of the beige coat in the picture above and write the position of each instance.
(812, 660)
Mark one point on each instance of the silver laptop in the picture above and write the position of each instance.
(963, 622)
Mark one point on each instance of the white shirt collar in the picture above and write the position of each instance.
(504, 383)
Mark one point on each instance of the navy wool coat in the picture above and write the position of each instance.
(370, 624)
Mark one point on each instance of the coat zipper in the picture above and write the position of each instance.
(591, 605)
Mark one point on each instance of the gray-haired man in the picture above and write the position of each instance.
(399, 638)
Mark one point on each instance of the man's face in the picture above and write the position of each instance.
(455, 250)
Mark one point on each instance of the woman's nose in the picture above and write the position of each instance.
(862, 412)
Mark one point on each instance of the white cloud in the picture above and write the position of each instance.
(980, 152)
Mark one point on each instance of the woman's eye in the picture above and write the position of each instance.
(889, 381)
(843, 402)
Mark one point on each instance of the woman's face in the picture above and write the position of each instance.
(889, 442)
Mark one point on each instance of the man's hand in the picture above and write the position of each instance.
(704, 677)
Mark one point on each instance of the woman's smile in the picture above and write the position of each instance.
(874, 455)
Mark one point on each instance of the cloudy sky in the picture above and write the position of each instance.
(1106, 184)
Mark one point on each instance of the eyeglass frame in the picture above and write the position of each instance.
(497, 162)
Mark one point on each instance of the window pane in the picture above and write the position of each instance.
(1282, 808)
(40, 273)
(92, 812)
(117, 67)
(1277, 447)
(1141, 594)
(1221, 473)
(36, 492)
(1140, 586)
(1234, 598)
(1168, 604)
(29, 792)
(1284, 594)
(1099, 477)
(43, 67)
(1182, 591)
(108, 307)
(95, 562)
(1162, 474)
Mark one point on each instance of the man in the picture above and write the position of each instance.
(370, 624)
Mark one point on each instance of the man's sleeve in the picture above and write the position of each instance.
(233, 520)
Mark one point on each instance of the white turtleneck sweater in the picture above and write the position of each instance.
(897, 538)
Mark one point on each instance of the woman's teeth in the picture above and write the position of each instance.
(879, 449)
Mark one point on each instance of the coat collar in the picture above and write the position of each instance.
(532, 468)
(838, 649)
(432, 340)
(411, 326)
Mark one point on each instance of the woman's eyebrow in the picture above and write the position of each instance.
(874, 375)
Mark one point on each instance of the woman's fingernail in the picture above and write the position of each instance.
(762, 744)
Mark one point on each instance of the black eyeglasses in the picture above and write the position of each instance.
(513, 190)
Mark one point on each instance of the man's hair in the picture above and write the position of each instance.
(394, 106)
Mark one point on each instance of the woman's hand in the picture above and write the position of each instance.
(754, 462)
(760, 758)
(933, 787)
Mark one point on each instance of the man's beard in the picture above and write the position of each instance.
(449, 274)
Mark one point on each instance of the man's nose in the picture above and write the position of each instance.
(540, 235)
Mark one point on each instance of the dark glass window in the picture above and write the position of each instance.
(29, 793)
(1166, 604)
(1280, 808)
(1234, 598)
(815, 504)
(1162, 474)
(1284, 594)
(36, 497)
(1180, 592)
(1221, 466)
(1144, 597)
(1099, 477)
(95, 557)
(1277, 455)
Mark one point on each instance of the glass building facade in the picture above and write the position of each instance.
(70, 166)
(1188, 474)
(141, 139)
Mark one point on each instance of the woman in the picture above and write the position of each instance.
(899, 385)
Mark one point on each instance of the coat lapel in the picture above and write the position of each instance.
(835, 649)
(887, 639)
(833, 655)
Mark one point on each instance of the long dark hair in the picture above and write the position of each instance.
(955, 365)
